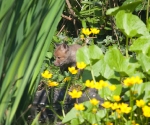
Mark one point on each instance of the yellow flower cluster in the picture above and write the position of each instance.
(116, 98)
(94, 101)
(46, 74)
(75, 93)
(99, 85)
(112, 87)
(145, 108)
(146, 111)
(79, 107)
(133, 80)
(120, 108)
(80, 65)
(52, 84)
(88, 31)
(72, 70)
(140, 103)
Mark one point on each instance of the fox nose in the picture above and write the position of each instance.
(56, 63)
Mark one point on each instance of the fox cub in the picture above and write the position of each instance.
(65, 55)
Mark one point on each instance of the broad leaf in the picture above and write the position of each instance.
(141, 44)
(70, 115)
(145, 62)
(119, 63)
(130, 24)
(87, 54)
(128, 6)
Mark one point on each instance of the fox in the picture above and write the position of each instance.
(65, 55)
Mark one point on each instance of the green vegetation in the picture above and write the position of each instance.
(115, 57)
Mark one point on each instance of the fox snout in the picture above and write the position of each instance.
(56, 63)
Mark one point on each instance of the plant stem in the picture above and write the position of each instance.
(64, 99)
(147, 13)
(147, 121)
(131, 105)
(127, 46)
(92, 74)
(51, 107)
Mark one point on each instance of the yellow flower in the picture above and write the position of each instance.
(67, 79)
(124, 108)
(79, 107)
(81, 65)
(103, 83)
(134, 123)
(52, 84)
(140, 103)
(46, 74)
(94, 30)
(146, 111)
(133, 80)
(138, 80)
(106, 104)
(86, 31)
(94, 101)
(72, 70)
(109, 123)
(98, 85)
(75, 94)
(89, 84)
(115, 106)
(112, 87)
(118, 111)
(116, 98)
(94, 124)
(94, 110)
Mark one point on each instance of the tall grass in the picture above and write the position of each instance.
(26, 30)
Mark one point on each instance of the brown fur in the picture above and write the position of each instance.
(65, 56)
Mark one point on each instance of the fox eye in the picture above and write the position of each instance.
(58, 57)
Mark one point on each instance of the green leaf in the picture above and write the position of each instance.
(119, 63)
(127, 6)
(49, 55)
(72, 114)
(142, 44)
(130, 24)
(90, 117)
(144, 60)
(75, 121)
(143, 89)
(86, 54)
(106, 93)
(101, 113)
(103, 69)
(95, 52)
(82, 55)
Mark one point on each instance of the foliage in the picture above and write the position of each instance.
(127, 72)
(114, 59)
(27, 28)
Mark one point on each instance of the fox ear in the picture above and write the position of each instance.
(65, 46)
(56, 45)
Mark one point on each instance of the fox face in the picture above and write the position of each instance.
(65, 56)
(61, 55)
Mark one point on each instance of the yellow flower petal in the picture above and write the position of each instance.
(79, 107)
(81, 65)
(46, 74)
(72, 70)
(75, 94)
(52, 84)
(94, 101)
